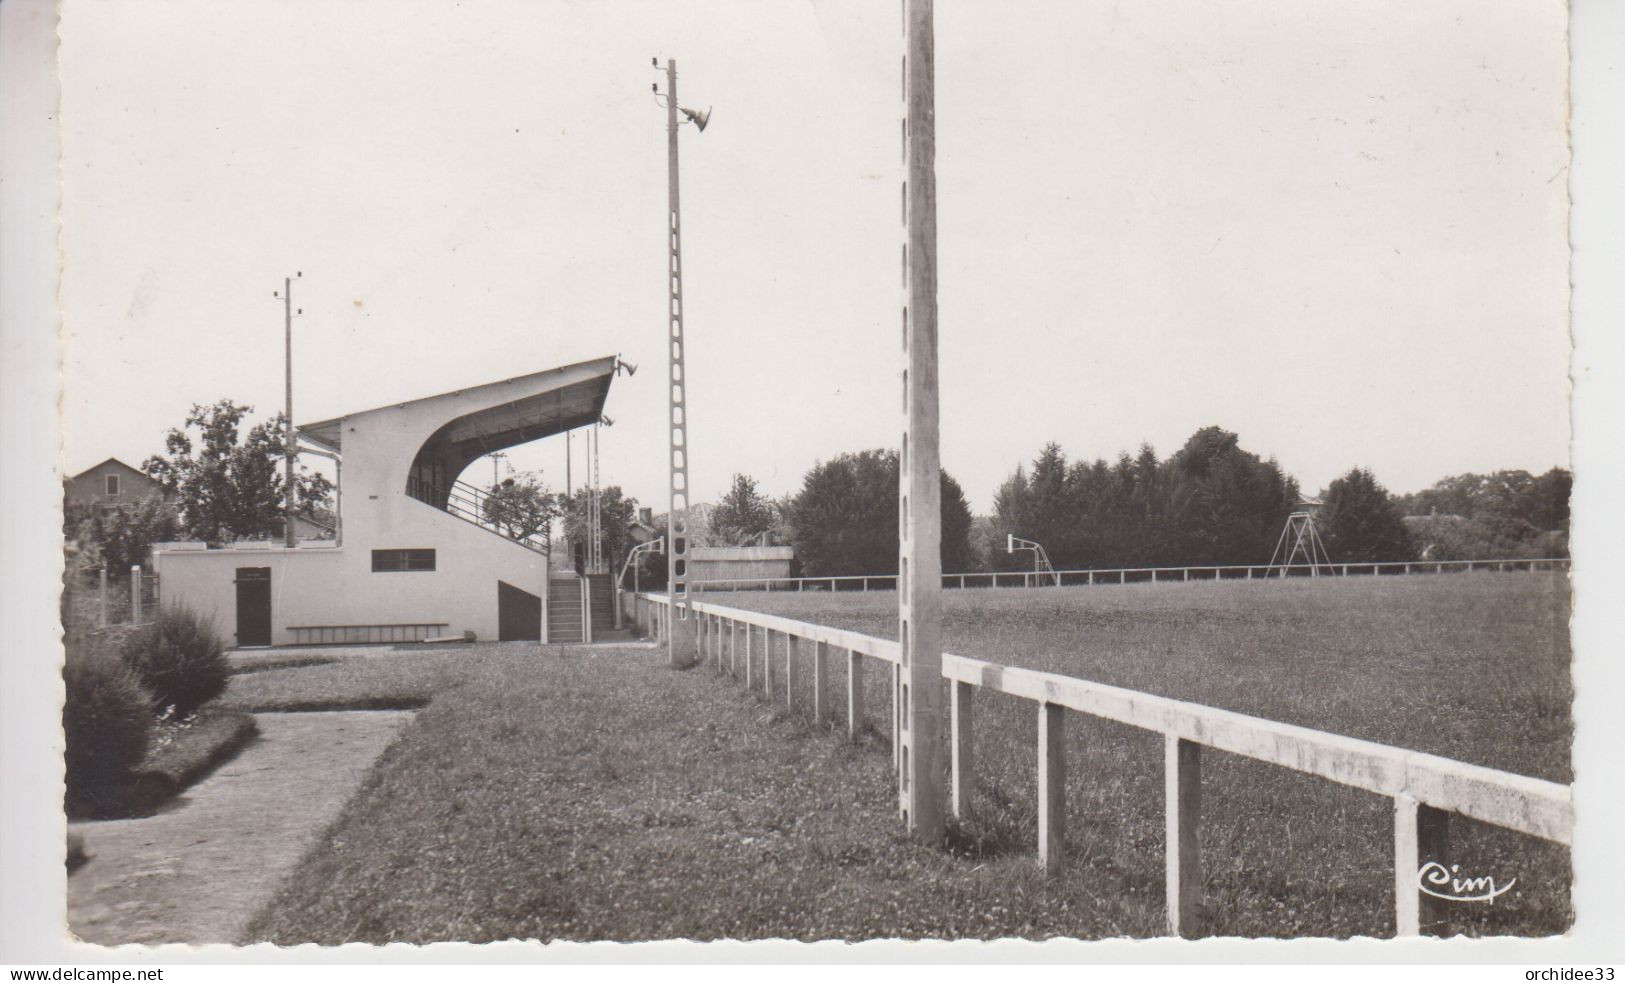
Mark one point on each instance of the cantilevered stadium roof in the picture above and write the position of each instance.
(503, 414)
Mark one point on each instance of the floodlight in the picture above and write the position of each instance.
(699, 116)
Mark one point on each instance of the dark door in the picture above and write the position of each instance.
(519, 614)
(253, 606)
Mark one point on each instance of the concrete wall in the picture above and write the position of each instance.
(740, 562)
(336, 585)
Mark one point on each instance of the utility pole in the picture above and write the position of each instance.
(680, 639)
(919, 593)
(290, 540)
(495, 457)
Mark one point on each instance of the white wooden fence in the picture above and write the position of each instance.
(1126, 575)
(1425, 789)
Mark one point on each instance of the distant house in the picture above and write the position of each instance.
(109, 484)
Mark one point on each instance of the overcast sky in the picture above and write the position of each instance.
(1336, 229)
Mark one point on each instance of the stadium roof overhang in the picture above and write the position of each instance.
(496, 415)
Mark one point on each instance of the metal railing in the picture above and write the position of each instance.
(1129, 575)
(469, 503)
(1425, 789)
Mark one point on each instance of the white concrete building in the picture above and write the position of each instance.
(415, 558)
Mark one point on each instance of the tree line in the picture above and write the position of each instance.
(1211, 502)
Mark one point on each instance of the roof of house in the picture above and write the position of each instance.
(102, 466)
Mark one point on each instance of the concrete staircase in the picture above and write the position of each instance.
(564, 610)
(603, 611)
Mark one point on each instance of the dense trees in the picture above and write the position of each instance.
(845, 518)
(1211, 502)
(1361, 523)
(616, 512)
(1485, 516)
(230, 485)
(521, 506)
(119, 537)
(742, 515)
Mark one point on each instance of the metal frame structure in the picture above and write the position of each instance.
(595, 513)
(652, 546)
(680, 640)
(1300, 537)
(1041, 564)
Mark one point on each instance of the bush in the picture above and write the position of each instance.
(179, 659)
(107, 723)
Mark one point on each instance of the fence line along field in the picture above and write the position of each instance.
(1474, 668)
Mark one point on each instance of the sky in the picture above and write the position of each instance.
(1339, 230)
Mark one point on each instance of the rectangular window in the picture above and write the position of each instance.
(397, 561)
(112, 484)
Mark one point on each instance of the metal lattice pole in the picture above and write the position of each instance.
(680, 638)
(919, 595)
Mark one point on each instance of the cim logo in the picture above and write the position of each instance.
(1434, 880)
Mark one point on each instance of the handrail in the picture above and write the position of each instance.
(1425, 788)
(1253, 571)
(467, 502)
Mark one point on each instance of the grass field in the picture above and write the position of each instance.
(1471, 667)
(595, 794)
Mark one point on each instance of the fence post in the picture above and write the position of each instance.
(1421, 836)
(750, 667)
(103, 592)
(1051, 785)
(792, 648)
(821, 682)
(962, 725)
(854, 695)
(733, 648)
(1182, 782)
(767, 663)
(135, 594)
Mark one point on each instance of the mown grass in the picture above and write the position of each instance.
(595, 794)
(1472, 667)
(384, 681)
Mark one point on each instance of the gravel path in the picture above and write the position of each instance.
(199, 870)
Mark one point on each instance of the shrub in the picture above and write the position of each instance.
(179, 659)
(107, 724)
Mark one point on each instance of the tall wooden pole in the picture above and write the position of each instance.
(919, 595)
(680, 637)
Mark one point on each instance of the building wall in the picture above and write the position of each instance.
(740, 562)
(90, 487)
(335, 585)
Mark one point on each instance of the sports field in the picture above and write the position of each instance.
(1474, 667)
(595, 793)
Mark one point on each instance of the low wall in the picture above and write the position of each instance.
(740, 562)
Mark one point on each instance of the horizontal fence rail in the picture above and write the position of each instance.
(1425, 789)
(1131, 575)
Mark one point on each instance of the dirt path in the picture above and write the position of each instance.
(198, 871)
